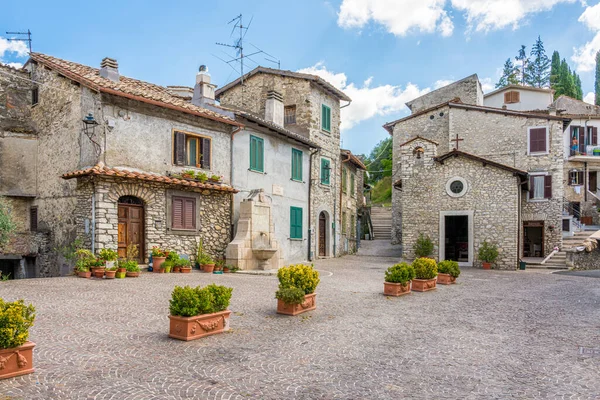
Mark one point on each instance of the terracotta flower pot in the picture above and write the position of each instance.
(309, 304)
(226, 270)
(190, 328)
(16, 361)
(445, 279)
(86, 274)
(396, 289)
(208, 268)
(99, 272)
(110, 274)
(176, 269)
(423, 285)
(121, 270)
(161, 271)
(156, 263)
(486, 265)
(132, 274)
(186, 270)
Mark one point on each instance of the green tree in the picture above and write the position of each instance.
(578, 90)
(538, 67)
(7, 225)
(379, 162)
(566, 83)
(597, 85)
(522, 57)
(509, 75)
(555, 72)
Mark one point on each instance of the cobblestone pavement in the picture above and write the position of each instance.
(494, 335)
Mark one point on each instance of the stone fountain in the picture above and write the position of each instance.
(254, 245)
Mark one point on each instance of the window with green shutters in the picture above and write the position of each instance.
(344, 179)
(343, 222)
(295, 223)
(296, 165)
(352, 185)
(325, 118)
(325, 171)
(257, 154)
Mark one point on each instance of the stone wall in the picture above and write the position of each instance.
(583, 260)
(468, 90)
(492, 197)
(350, 203)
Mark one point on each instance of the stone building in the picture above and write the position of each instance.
(465, 173)
(312, 110)
(110, 153)
(351, 201)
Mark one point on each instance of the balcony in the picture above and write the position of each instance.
(585, 153)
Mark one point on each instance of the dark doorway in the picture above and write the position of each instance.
(533, 239)
(593, 181)
(456, 238)
(322, 234)
(131, 226)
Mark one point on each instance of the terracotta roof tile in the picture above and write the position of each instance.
(102, 170)
(354, 159)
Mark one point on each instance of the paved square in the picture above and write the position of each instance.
(494, 335)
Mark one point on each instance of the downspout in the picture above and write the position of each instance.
(334, 219)
(93, 218)
(310, 201)
(232, 195)
(519, 222)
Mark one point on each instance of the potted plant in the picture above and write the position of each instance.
(215, 178)
(397, 279)
(110, 273)
(425, 273)
(133, 270)
(109, 256)
(226, 268)
(83, 271)
(423, 246)
(207, 263)
(16, 353)
(201, 176)
(198, 312)
(98, 268)
(219, 266)
(488, 253)
(120, 274)
(183, 265)
(188, 174)
(448, 271)
(158, 257)
(166, 267)
(296, 294)
(172, 257)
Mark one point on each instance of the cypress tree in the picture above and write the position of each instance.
(554, 73)
(522, 57)
(538, 68)
(509, 75)
(565, 82)
(597, 85)
(578, 90)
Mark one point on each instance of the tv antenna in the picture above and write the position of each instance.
(22, 38)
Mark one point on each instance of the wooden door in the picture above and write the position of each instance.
(322, 234)
(593, 181)
(131, 229)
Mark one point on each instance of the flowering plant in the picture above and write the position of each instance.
(158, 252)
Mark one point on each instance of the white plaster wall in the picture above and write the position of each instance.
(530, 100)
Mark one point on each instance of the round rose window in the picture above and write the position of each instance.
(456, 187)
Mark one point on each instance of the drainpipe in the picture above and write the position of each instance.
(334, 219)
(93, 217)
(519, 221)
(232, 196)
(309, 201)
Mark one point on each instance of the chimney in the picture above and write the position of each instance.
(109, 69)
(274, 107)
(204, 91)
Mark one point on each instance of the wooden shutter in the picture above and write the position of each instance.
(594, 136)
(344, 179)
(35, 94)
(507, 98)
(515, 97)
(179, 149)
(352, 185)
(295, 223)
(537, 140)
(205, 151)
(580, 178)
(177, 207)
(33, 219)
(582, 140)
(189, 213)
(256, 154)
(296, 164)
(325, 171)
(325, 118)
(548, 186)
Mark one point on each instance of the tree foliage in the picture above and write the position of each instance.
(509, 75)
(538, 67)
(379, 161)
(7, 225)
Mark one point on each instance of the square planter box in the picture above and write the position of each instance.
(295, 309)
(191, 328)
(16, 361)
(395, 289)
(445, 279)
(423, 285)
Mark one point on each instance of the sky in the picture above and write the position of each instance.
(382, 53)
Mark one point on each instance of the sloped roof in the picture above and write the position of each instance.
(518, 87)
(279, 129)
(328, 87)
(103, 170)
(419, 138)
(126, 87)
(484, 161)
(353, 159)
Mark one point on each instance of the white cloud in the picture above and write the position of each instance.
(13, 64)
(15, 47)
(367, 101)
(585, 56)
(399, 17)
(402, 17)
(487, 85)
(590, 98)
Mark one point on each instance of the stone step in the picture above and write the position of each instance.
(546, 266)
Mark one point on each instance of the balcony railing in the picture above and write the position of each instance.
(585, 151)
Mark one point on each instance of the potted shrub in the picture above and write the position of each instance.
(488, 253)
(198, 312)
(219, 266)
(166, 267)
(188, 174)
(206, 262)
(425, 273)
(397, 279)
(448, 271)
(109, 256)
(423, 246)
(172, 257)
(83, 271)
(121, 274)
(158, 257)
(98, 268)
(132, 268)
(16, 353)
(215, 178)
(183, 265)
(296, 294)
(226, 268)
(201, 176)
(110, 273)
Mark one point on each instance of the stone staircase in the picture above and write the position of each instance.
(559, 259)
(381, 218)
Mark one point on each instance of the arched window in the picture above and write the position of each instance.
(418, 153)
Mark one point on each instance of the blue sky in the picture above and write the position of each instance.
(381, 52)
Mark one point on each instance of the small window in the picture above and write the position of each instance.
(295, 223)
(512, 97)
(418, 152)
(538, 140)
(289, 113)
(325, 171)
(33, 219)
(192, 150)
(297, 165)
(352, 185)
(183, 213)
(325, 118)
(575, 178)
(344, 180)
(257, 154)
(540, 187)
(35, 93)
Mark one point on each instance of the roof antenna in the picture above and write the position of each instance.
(21, 39)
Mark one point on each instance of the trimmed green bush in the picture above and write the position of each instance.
(184, 302)
(425, 268)
(400, 273)
(188, 302)
(15, 320)
(488, 252)
(130, 266)
(449, 267)
(424, 246)
(299, 276)
(182, 262)
(221, 297)
(290, 295)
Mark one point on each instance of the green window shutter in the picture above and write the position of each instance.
(344, 179)
(257, 154)
(296, 164)
(352, 185)
(325, 118)
(325, 171)
(295, 223)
